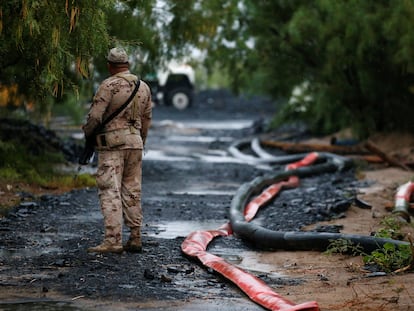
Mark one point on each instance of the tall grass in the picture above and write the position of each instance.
(17, 164)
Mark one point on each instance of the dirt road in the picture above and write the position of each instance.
(189, 181)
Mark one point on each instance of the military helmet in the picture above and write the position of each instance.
(117, 56)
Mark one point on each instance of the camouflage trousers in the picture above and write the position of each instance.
(119, 179)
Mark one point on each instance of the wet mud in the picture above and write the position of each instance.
(189, 179)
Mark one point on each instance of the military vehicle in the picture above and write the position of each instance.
(173, 85)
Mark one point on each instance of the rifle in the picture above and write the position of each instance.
(89, 148)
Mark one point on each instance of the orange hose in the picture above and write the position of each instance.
(402, 200)
(196, 243)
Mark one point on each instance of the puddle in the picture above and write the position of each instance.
(23, 252)
(40, 244)
(38, 306)
(220, 125)
(224, 304)
(250, 261)
(199, 139)
(158, 155)
(204, 192)
(208, 124)
(174, 229)
(86, 217)
(247, 260)
(208, 188)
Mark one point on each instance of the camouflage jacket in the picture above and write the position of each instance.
(133, 122)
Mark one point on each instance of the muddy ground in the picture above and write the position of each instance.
(189, 181)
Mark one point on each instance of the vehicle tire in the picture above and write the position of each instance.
(180, 98)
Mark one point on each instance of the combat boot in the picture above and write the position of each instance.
(134, 243)
(106, 247)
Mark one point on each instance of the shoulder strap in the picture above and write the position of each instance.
(116, 112)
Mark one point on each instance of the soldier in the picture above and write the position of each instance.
(120, 150)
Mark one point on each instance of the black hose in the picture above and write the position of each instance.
(296, 240)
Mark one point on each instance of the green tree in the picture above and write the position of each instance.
(45, 47)
(356, 55)
(50, 49)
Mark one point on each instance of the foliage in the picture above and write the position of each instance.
(49, 49)
(215, 78)
(133, 25)
(74, 107)
(47, 46)
(389, 258)
(343, 246)
(356, 56)
(65, 181)
(391, 229)
(222, 27)
(18, 164)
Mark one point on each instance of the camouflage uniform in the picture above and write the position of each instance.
(120, 149)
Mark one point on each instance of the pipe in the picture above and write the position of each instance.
(195, 245)
(267, 195)
(268, 239)
(234, 150)
(402, 201)
(241, 212)
(257, 148)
